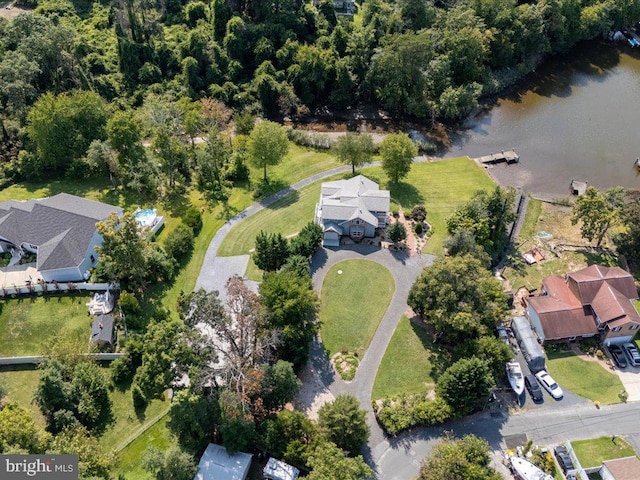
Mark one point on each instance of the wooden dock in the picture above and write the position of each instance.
(508, 156)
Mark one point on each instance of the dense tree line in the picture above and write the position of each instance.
(427, 59)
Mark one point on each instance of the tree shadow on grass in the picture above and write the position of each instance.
(405, 193)
(175, 203)
(284, 198)
(439, 355)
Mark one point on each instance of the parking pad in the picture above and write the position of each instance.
(630, 378)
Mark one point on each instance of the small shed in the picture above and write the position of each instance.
(103, 333)
(277, 470)
(578, 188)
(217, 464)
(531, 349)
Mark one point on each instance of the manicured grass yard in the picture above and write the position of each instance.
(441, 186)
(28, 325)
(20, 385)
(352, 304)
(585, 378)
(286, 216)
(593, 452)
(406, 366)
(528, 230)
(127, 424)
(129, 459)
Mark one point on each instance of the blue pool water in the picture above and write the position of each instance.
(146, 217)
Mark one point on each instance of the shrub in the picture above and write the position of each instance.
(139, 400)
(396, 232)
(193, 218)
(403, 412)
(179, 242)
(418, 213)
(307, 241)
(310, 139)
(129, 304)
(122, 370)
(418, 228)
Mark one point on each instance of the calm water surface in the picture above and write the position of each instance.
(577, 117)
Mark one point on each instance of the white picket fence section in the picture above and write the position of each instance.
(37, 359)
(55, 288)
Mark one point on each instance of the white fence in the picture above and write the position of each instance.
(55, 288)
(579, 471)
(37, 359)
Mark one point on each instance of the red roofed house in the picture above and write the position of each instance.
(593, 301)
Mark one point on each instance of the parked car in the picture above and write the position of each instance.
(533, 387)
(564, 460)
(549, 384)
(618, 355)
(632, 353)
(503, 334)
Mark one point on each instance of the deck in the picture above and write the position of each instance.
(505, 156)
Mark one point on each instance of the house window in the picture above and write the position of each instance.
(616, 329)
(357, 222)
(93, 259)
(635, 326)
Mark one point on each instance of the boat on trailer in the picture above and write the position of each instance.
(516, 379)
(525, 470)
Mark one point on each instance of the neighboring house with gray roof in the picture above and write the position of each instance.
(60, 230)
(354, 207)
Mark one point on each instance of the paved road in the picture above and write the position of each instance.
(399, 458)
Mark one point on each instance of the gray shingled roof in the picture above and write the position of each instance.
(357, 197)
(102, 329)
(61, 227)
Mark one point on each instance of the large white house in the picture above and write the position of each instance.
(60, 230)
(354, 207)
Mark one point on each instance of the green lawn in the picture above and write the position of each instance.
(352, 304)
(587, 379)
(20, 385)
(406, 366)
(28, 325)
(128, 461)
(127, 424)
(593, 452)
(286, 216)
(534, 208)
(441, 186)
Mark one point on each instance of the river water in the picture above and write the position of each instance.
(577, 117)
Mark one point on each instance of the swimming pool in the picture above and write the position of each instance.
(146, 218)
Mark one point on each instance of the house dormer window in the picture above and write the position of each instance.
(616, 329)
(635, 326)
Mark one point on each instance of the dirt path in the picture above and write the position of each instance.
(10, 11)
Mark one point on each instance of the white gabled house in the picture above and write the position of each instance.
(354, 208)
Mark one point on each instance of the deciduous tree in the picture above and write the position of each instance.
(354, 149)
(465, 384)
(453, 459)
(459, 298)
(344, 423)
(397, 151)
(328, 462)
(268, 144)
(598, 211)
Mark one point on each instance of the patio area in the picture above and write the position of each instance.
(18, 276)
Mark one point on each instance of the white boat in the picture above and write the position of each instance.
(516, 379)
(526, 470)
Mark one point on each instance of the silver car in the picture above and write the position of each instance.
(632, 353)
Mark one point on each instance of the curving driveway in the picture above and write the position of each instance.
(399, 458)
